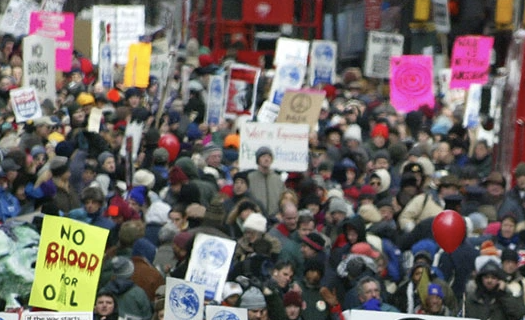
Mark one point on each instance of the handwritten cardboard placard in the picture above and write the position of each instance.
(411, 83)
(381, 46)
(47, 315)
(39, 66)
(301, 106)
(470, 61)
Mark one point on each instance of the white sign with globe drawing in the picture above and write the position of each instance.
(225, 313)
(210, 263)
(184, 300)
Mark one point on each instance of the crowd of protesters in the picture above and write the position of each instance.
(351, 232)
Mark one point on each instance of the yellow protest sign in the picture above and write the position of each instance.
(136, 73)
(68, 265)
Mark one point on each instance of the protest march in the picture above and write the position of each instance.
(145, 177)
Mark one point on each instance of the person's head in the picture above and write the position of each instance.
(177, 178)
(448, 185)
(386, 209)
(292, 302)
(105, 304)
(434, 301)
(181, 242)
(290, 216)
(93, 199)
(264, 158)
(417, 271)
(231, 293)
(312, 244)
(519, 174)
(481, 149)
(212, 155)
(508, 225)
(253, 300)
(444, 153)
(337, 209)
(288, 195)
(368, 288)
(106, 160)
(178, 216)
(241, 184)
(509, 261)
(254, 227)
(313, 271)
(133, 97)
(381, 160)
(244, 208)
(379, 135)
(305, 225)
(283, 273)
(489, 276)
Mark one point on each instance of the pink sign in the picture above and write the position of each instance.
(470, 61)
(58, 26)
(411, 82)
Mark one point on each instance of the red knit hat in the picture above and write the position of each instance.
(177, 175)
(292, 298)
(380, 129)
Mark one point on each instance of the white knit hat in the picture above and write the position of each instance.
(255, 221)
(353, 132)
(231, 288)
(143, 177)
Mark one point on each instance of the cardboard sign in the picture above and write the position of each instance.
(59, 27)
(301, 106)
(39, 66)
(47, 315)
(288, 76)
(226, 313)
(288, 142)
(127, 25)
(68, 265)
(184, 300)
(323, 62)
(136, 73)
(372, 14)
(215, 100)
(25, 104)
(16, 17)
(292, 51)
(381, 46)
(470, 61)
(441, 16)
(210, 263)
(411, 83)
(241, 90)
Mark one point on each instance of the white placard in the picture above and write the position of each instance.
(159, 61)
(9, 316)
(225, 313)
(25, 104)
(291, 51)
(381, 315)
(288, 76)
(323, 62)
(53, 5)
(39, 66)
(210, 263)
(381, 46)
(268, 112)
(49, 315)
(95, 118)
(471, 116)
(441, 15)
(288, 142)
(215, 100)
(133, 130)
(184, 300)
(16, 17)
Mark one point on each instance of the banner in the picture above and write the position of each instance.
(288, 76)
(301, 106)
(136, 73)
(293, 51)
(39, 66)
(68, 265)
(226, 313)
(381, 315)
(127, 25)
(241, 90)
(372, 14)
(25, 104)
(215, 100)
(411, 83)
(47, 315)
(210, 263)
(59, 27)
(441, 15)
(323, 62)
(184, 300)
(288, 142)
(470, 61)
(16, 17)
(381, 46)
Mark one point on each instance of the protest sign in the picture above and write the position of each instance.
(323, 62)
(301, 106)
(159, 61)
(39, 66)
(452, 97)
(472, 106)
(47, 315)
(411, 83)
(441, 16)
(470, 61)
(210, 263)
(293, 51)
(136, 73)
(241, 90)
(53, 5)
(16, 17)
(355, 314)
(215, 100)
(373, 14)
(9, 316)
(381, 46)
(288, 76)
(95, 119)
(225, 313)
(25, 104)
(268, 112)
(288, 142)
(133, 130)
(184, 300)
(68, 265)
(127, 25)
(59, 27)
(185, 83)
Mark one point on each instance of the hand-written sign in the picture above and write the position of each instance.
(68, 265)
(301, 106)
(470, 61)
(39, 66)
(381, 46)
(46, 315)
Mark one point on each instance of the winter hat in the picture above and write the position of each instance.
(138, 194)
(482, 260)
(314, 264)
(380, 130)
(160, 156)
(58, 165)
(441, 126)
(64, 148)
(369, 213)
(385, 178)
(520, 170)
(144, 248)
(367, 192)
(232, 141)
(398, 152)
(36, 150)
(337, 205)
(365, 249)
(428, 166)
(509, 255)
(176, 175)
(495, 178)
(130, 231)
(252, 298)
(382, 154)
(493, 268)
(314, 241)
(143, 177)
(355, 266)
(385, 202)
(353, 132)
(122, 267)
(209, 148)
(231, 288)
(435, 290)
(133, 92)
(85, 99)
(255, 221)
(292, 298)
(243, 175)
(261, 152)
(479, 221)
(104, 156)
(182, 239)
(488, 249)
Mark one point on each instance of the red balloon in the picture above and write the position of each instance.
(449, 230)
(171, 143)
